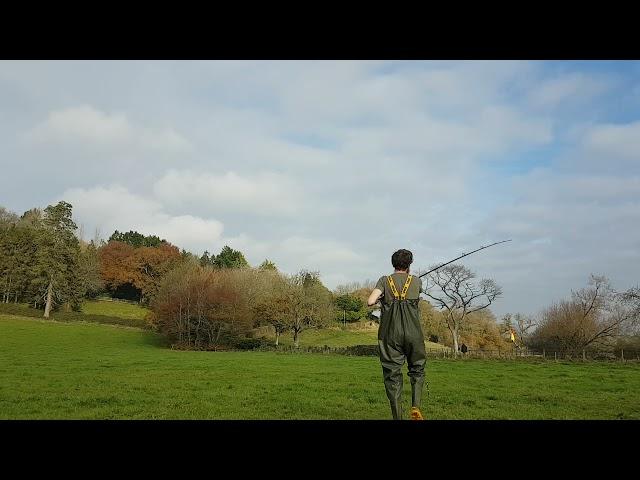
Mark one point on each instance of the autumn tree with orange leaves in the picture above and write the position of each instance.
(130, 271)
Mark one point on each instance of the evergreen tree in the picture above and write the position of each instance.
(230, 258)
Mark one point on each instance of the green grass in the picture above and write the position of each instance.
(114, 309)
(95, 312)
(336, 337)
(52, 370)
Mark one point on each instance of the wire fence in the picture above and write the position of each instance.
(585, 354)
(448, 353)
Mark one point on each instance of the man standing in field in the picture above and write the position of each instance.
(400, 335)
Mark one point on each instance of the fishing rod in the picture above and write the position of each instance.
(464, 255)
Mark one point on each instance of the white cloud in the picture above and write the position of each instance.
(263, 194)
(571, 87)
(334, 165)
(493, 129)
(89, 126)
(295, 252)
(316, 253)
(84, 123)
(564, 227)
(613, 142)
(115, 208)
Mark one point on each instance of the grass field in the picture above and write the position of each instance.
(110, 313)
(338, 338)
(54, 370)
(114, 309)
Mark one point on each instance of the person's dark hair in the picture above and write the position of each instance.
(402, 259)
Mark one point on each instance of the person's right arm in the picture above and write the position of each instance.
(375, 295)
(377, 292)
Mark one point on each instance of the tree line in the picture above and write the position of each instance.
(41, 259)
(205, 308)
(595, 319)
(209, 300)
(197, 302)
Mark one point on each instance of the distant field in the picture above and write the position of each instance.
(114, 309)
(110, 313)
(338, 338)
(52, 370)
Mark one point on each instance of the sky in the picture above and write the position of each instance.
(334, 165)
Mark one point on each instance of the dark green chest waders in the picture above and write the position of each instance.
(400, 337)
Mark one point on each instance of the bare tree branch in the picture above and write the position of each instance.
(459, 296)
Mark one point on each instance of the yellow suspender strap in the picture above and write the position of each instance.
(405, 289)
(394, 290)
